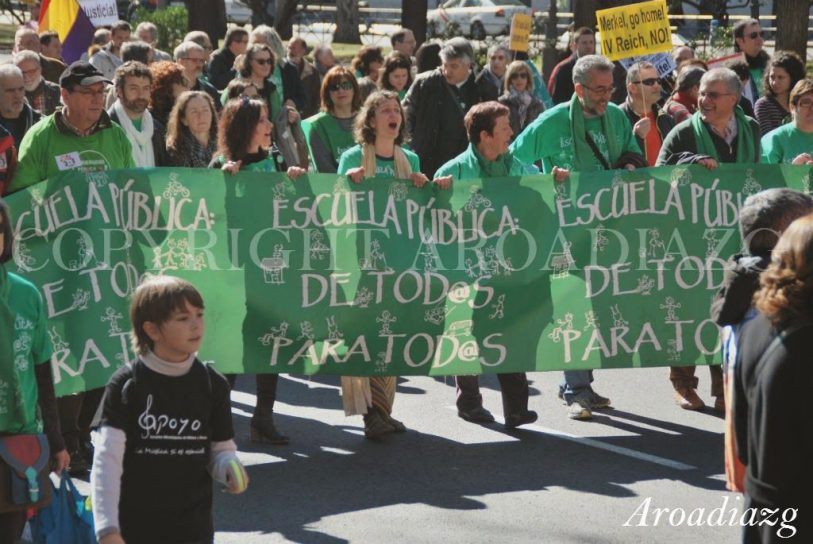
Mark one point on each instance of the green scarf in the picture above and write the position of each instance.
(499, 168)
(10, 396)
(745, 138)
(584, 160)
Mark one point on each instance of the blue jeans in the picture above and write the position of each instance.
(574, 383)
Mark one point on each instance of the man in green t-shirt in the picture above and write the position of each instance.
(489, 133)
(79, 136)
(586, 134)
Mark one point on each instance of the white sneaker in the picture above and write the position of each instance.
(579, 409)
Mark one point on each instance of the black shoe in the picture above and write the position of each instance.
(397, 425)
(263, 431)
(522, 418)
(79, 465)
(476, 415)
(375, 425)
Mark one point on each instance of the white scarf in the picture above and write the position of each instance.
(143, 153)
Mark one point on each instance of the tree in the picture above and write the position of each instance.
(549, 54)
(16, 10)
(413, 17)
(347, 22)
(284, 19)
(792, 19)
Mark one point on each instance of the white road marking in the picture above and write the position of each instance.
(598, 444)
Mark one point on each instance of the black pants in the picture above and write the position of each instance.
(513, 386)
(76, 416)
(266, 392)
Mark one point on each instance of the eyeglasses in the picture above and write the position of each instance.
(341, 86)
(713, 96)
(804, 104)
(262, 62)
(519, 75)
(600, 90)
(755, 35)
(196, 61)
(649, 82)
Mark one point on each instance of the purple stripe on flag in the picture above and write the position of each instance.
(78, 39)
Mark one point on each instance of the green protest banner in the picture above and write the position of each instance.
(318, 275)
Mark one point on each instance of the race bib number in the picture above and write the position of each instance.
(68, 161)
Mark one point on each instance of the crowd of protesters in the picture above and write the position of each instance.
(433, 116)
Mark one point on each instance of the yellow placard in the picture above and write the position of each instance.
(637, 29)
(520, 32)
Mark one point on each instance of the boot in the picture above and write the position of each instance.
(375, 425)
(263, 431)
(394, 423)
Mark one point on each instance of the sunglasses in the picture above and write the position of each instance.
(519, 75)
(755, 35)
(262, 62)
(341, 86)
(649, 82)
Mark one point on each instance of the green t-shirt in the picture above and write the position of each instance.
(384, 168)
(469, 165)
(550, 138)
(330, 132)
(783, 144)
(46, 151)
(31, 347)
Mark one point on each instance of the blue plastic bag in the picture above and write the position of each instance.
(67, 520)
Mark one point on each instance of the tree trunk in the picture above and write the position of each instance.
(792, 19)
(283, 23)
(347, 22)
(549, 54)
(208, 16)
(413, 17)
(584, 13)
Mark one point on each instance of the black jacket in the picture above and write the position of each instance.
(203, 85)
(772, 424)
(292, 88)
(663, 121)
(740, 282)
(221, 68)
(488, 90)
(434, 114)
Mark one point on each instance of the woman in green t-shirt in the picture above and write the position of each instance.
(245, 144)
(792, 143)
(330, 132)
(27, 400)
(379, 133)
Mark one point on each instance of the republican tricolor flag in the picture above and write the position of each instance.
(74, 28)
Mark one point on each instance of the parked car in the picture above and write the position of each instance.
(237, 12)
(475, 18)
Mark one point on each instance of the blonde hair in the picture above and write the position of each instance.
(514, 68)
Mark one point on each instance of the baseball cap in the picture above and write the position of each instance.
(81, 73)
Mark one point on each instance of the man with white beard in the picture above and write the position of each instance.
(42, 95)
(16, 116)
(133, 86)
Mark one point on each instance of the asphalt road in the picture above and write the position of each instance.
(450, 481)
